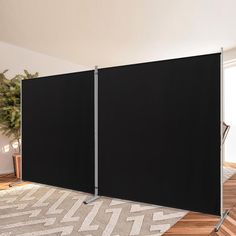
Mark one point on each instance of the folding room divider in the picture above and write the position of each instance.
(151, 131)
(159, 133)
(58, 130)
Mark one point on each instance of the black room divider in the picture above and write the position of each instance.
(159, 132)
(58, 130)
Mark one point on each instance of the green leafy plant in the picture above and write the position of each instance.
(10, 104)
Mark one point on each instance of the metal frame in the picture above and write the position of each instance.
(222, 138)
(226, 132)
(95, 197)
(223, 217)
(221, 129)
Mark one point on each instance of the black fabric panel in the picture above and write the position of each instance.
(159, 133)
(58, 131)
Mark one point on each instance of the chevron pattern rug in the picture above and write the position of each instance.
(35, 209)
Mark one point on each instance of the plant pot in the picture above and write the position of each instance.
(17, 164)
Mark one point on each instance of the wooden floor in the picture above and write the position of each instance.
(203, 225)
(193, 223)
(7, 179)
(229, 226)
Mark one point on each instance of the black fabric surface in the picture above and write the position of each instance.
(58, 131)
(159, 133)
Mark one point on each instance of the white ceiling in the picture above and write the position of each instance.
(116, 32)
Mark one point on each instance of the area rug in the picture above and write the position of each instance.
(35, 209)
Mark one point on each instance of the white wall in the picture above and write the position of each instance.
(230, 56)
(17, 59)
(230, 103)
(230, 112)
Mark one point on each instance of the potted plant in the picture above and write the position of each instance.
(10, 111)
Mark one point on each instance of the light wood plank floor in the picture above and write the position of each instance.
(229, 226)
(203, 225)
(7, 179)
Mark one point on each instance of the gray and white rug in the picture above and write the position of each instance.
(35, 209)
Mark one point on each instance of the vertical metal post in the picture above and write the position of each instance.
(96, 129)
(95, 138)
(221, 128)
(226, 212)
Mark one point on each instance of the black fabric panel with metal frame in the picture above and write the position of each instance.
(58, 130)
(159, 133)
